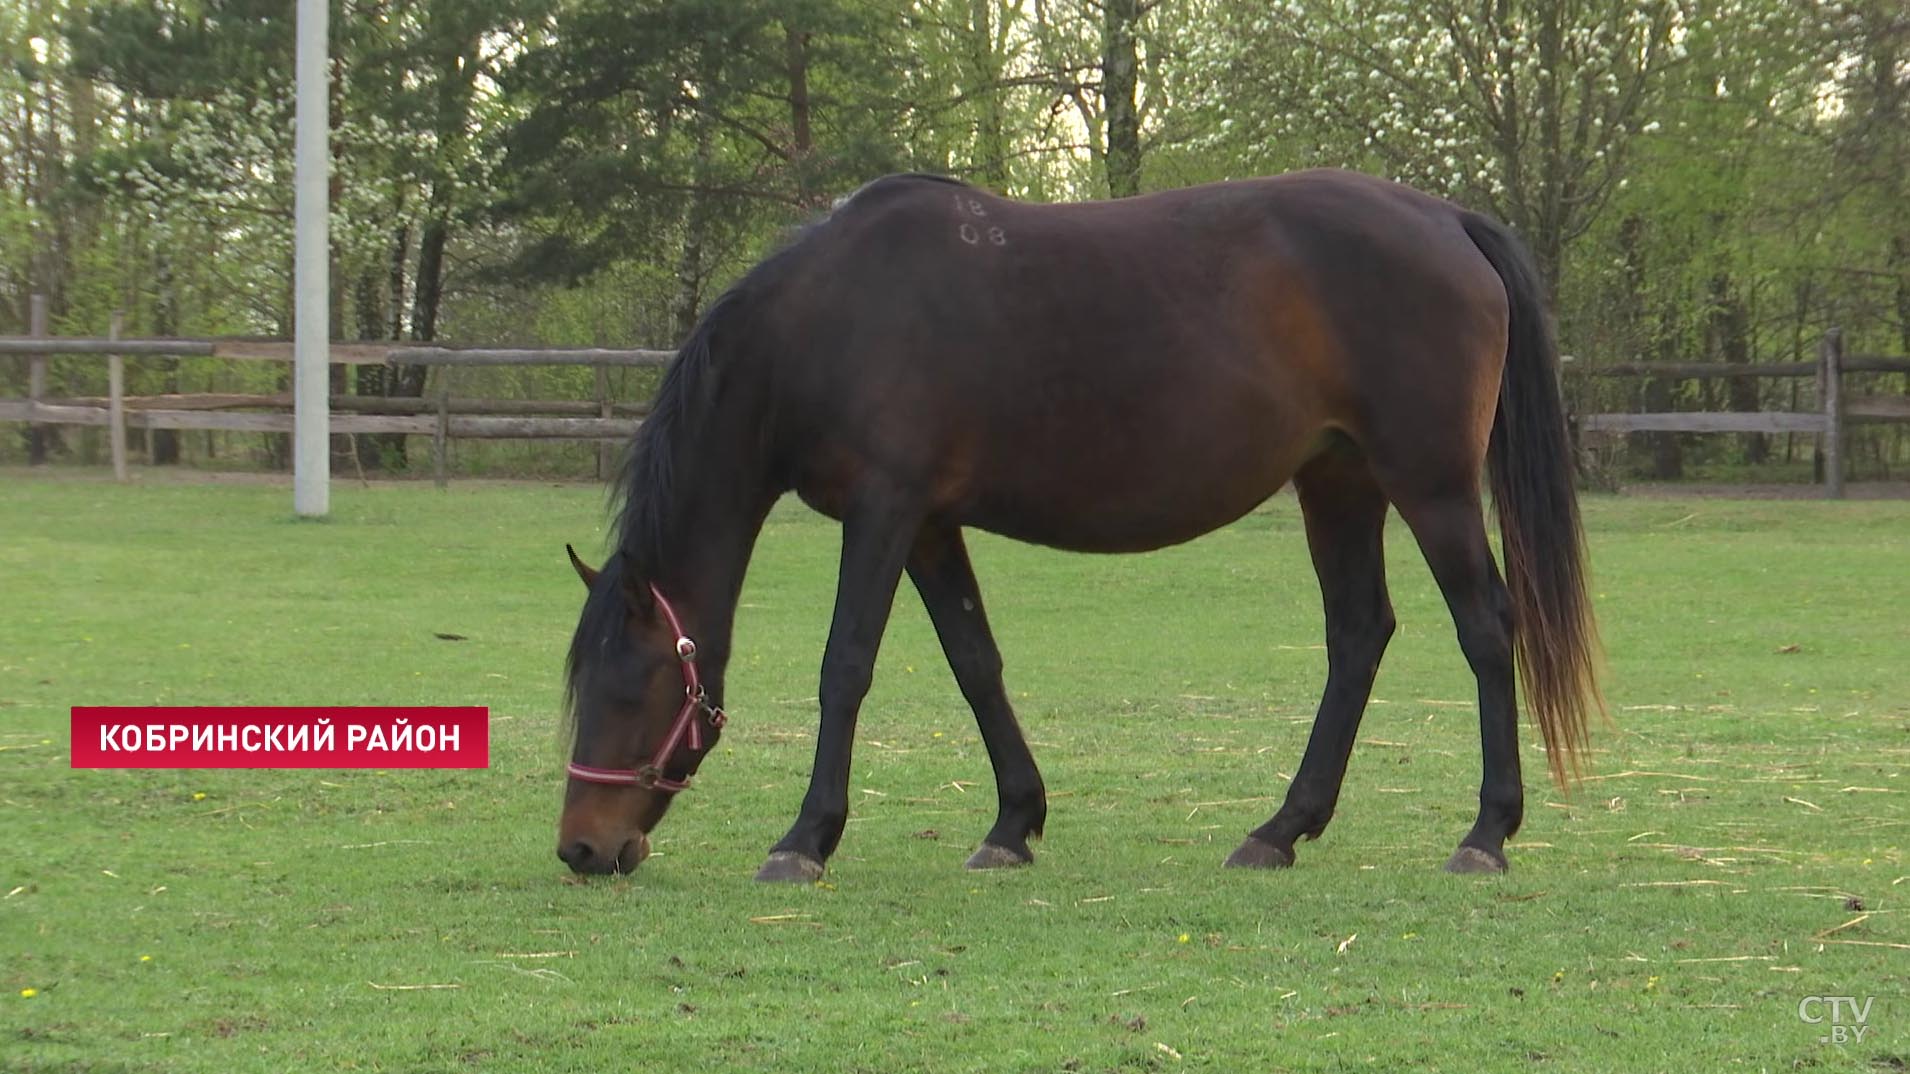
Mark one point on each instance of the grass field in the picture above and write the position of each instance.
(1740, 847)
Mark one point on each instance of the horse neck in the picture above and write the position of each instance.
(720, 507)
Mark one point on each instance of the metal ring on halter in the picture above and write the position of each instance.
(686, 650)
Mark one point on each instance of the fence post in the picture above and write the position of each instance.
(116, 400)
(603, 411)
(441, 436)
(1831, 374)
(36, 383)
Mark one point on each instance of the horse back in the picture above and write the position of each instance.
(1171, 356)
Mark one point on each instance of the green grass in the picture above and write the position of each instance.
(1661, 918)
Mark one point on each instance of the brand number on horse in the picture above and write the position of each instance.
(971, 234)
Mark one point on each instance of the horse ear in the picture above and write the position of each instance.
(636, 593)
(583, 571)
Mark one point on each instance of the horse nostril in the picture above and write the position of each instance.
(576, 855)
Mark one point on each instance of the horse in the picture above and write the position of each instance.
(1112, 376)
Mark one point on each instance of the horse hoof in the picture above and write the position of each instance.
(789, 867)
(1255, 854)
(1474, 860)
(990, 856)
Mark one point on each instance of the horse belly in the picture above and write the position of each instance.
(1131, 497)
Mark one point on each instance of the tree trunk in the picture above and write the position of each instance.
(382, 316)
(796, 49)
(1631, 234)
(984, 70)
(1802, 296)
(457, 56)
(163, 444)
(1659, 340)
(429, 292)
(337, 378)
(1667, 450)
(368, 303)
(1548, 238)
(395, 278)
(456, 75)
(1731, 337)
(1120, 74)
(689, 265)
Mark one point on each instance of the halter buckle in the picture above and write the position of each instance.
(685, 649)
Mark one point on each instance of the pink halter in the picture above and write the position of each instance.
(685, 728)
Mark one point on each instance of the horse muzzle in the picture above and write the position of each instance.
(587, 858)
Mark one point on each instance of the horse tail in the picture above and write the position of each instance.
(1554, 634)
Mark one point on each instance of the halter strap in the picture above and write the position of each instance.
(687, 727)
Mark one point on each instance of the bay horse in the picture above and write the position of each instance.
(1100, 377)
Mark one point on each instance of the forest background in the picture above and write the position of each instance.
(1701, 180)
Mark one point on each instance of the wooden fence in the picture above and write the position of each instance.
(1835, 407)
(441, 417)
(445, 418)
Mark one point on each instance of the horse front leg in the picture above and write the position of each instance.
(876, 538)
(940, 568)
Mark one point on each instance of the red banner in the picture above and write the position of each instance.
(281, 736)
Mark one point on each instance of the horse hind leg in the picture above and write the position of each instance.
(940, 568)
(1450, 528)
(1345, 514)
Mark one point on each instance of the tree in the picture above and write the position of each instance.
(689, 119)
(1105, 57)
(1871, 124)
(1120, 84)
(1528, 109)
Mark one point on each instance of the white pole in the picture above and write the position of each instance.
(311, 356)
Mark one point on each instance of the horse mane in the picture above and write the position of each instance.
(645, 492)
(645, 495)
(643, 499)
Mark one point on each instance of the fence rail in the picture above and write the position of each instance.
(1868, 363)
(363, 404)
(1835, 410)
(342, 353)
(1710, 422)
(597, 356)
(442, 417)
